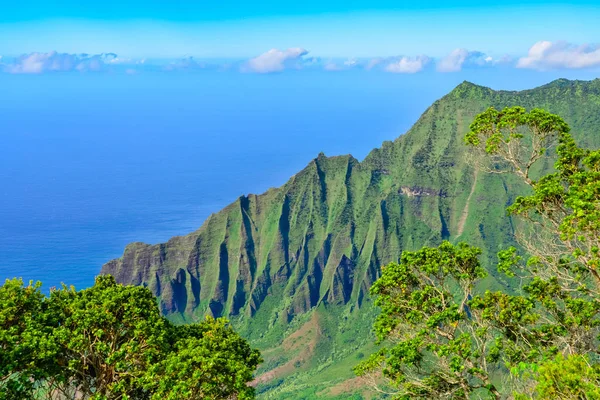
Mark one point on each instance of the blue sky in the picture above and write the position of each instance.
(243, 29)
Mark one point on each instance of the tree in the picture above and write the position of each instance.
(209, 361)
(27, 353)
(109, 335)
(440, 348)
(554, 317)
(563, 212)
(561, 229)
(110, 342)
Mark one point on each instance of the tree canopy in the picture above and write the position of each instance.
(111, 342)
(442, 336)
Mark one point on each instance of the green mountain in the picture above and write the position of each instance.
(292, 267)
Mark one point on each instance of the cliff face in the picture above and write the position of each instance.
(317, 243)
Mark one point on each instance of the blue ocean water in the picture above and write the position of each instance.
(91, 162)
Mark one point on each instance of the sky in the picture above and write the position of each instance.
(330, 29)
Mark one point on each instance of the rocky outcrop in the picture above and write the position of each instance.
(418, 191)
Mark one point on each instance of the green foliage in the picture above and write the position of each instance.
(438, 347)
(111, 342)
(210, 361)
(562, 230)
(567, 204)
(547, 334)
(564, 208)
(562, 237)
(572, 377)
(516, 137)
(27, 352)
(109, 335)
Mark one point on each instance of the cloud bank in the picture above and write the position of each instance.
(342, 65)
(545, 55)
(37, 63)
(460, 58)
(276, 60)
(407, 65)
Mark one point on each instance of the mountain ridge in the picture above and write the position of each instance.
(313, 246)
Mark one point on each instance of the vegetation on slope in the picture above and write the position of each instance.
(315, 245)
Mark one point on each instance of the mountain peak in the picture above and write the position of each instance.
(467, 84)
(468, 89)
(560, 82)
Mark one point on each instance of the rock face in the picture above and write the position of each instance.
(319, 240)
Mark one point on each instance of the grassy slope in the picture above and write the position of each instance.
(301, 258)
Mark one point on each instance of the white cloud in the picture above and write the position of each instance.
(459, 58)
(276, 60)
(453, 62)
(37, 63)
(556, 55)
(331, 66)
(351, 62)
(374, 63)
(118, 60)
(338, 65)
(399, 64)
(408, 65)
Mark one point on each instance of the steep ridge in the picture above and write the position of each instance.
(269, 262)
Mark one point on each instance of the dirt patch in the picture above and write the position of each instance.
(306, 335)
(348, 386)
(304, 340)
(359, 384)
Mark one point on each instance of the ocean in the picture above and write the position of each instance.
(91, 162)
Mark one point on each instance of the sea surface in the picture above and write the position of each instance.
(91, 162)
